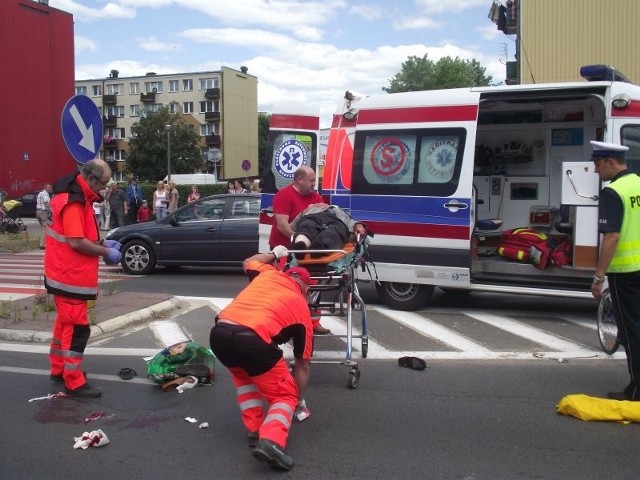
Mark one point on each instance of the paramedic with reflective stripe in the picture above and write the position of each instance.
(270, 311)
(619, 258)
(71, 270)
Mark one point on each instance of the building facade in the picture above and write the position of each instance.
(221, 105)
(37, 54)
(555, 38)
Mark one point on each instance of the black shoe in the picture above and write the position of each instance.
(252, 439)
(412, 362)
(269, 452)
(85, 391)
(60, 379)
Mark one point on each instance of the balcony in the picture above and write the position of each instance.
(110, 121)
(212, 116)
(212, 93)
(109, 100)
(148, 97)
(109, 141)
(213, 140)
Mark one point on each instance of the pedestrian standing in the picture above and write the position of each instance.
(133, 194)
(271, 310)
(106, 209)
(43, 211)
(143, 212)
(173, 198)
(619, 258)
(118, 206)
(71, 271)
(193, 194)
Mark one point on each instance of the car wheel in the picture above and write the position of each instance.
(138, 258)
(404, 296)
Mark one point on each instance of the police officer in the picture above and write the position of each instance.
(270, 311)
(619, 259)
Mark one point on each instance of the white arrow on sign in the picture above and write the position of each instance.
(87, 133)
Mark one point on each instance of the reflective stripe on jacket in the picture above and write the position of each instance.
(67, 272)
(627, 256)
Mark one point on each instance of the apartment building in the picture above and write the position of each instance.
(221, 105)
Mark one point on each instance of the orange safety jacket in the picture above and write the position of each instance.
(67, 272)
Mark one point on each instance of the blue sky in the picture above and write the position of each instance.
(303, 52)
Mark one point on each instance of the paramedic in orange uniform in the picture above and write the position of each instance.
(270, 311)
(71, 259)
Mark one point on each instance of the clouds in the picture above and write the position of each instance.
(307, 51)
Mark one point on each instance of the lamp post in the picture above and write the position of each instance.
(168, 130)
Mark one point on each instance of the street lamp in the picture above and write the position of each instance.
(168, 129)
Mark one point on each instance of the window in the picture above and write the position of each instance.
(114, 89)
(173, 85)
(96, 90)
(81, 90)
(134, 88)
(245, 208)
(115, 111)
(207, 129)
(115, 132)
(187, 85)
(115, 155)
(134, 110)
(174, 107)
(150, 86)
(187, 107)
(154, 107)
(207, 106)
(631, 138)
(208, 209)
(408, 162)
(209, 83)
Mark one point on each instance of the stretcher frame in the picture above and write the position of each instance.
(336, 275)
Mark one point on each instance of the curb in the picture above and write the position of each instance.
(96, 330)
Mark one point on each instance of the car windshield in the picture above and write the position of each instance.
(207, 209)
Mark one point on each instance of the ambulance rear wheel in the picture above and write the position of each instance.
(607, 326)
(404, 296)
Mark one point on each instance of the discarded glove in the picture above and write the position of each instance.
(97, 438)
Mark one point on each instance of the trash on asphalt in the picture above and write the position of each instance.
(191, 419)
(96, 438)
(48, 396)
(204, 425)
(94, 416)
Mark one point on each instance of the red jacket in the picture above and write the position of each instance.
(66, 272)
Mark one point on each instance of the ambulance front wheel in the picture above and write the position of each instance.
(404, 296)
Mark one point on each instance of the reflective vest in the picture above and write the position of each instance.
(627, 255)
(67, 272)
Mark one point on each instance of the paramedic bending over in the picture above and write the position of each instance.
(270, 311)
(289, 202)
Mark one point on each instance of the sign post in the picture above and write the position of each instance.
(81, 125)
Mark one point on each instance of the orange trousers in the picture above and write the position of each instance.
(71, 332)
(278, 388)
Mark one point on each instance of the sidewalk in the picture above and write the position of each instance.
(27, 321)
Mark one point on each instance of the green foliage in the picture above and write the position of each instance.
(147, 156)
(263, 134)
(424, 74)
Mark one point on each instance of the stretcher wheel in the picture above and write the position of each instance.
(354, 378)
(607, 327)
(365, 347)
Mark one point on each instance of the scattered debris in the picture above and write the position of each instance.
(203, 425)
(94, 416)
(49, 396)
(97, 438)
(191, 419)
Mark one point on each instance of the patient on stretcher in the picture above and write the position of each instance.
(325, 227)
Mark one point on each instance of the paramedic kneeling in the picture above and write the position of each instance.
(270, 311)
(619, 259)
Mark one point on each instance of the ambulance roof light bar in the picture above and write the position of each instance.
(607, 73)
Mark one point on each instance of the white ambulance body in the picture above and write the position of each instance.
(427, 171)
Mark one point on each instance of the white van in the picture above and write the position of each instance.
(422, 169)
(193, 178)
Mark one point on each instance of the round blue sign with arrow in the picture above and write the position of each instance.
(81, 125)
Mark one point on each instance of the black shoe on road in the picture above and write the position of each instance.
(85, 391)
(252, 439)
(269, 452)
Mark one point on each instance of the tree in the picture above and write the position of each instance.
(147, 157)
(424, 74)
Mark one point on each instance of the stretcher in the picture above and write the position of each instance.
(336, 294)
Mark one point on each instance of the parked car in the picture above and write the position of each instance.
(28, 207)
(220, 230)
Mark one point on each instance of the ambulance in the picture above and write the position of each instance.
(440, 175)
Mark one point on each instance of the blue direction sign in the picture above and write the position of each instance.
(81, 125)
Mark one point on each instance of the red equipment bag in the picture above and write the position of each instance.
(516, 244)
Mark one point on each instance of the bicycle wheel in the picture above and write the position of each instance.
(607, 327)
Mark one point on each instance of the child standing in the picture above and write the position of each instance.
(143, 212)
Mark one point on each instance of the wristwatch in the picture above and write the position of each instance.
(597, 279)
